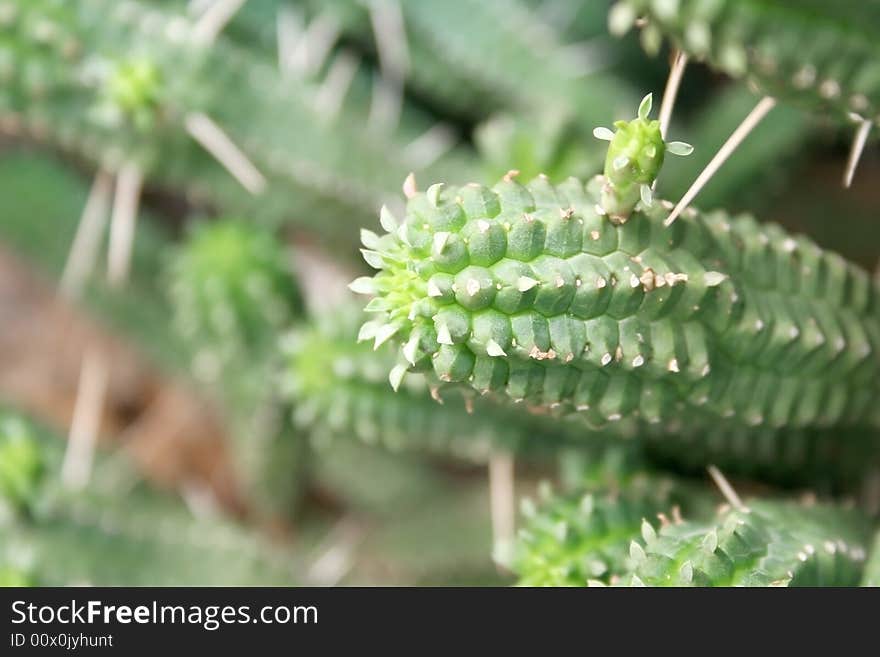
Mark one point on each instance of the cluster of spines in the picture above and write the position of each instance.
(533, 292)
(232, 290)
(819, 53)
(768, 543)
(338, 388)
(584, 539)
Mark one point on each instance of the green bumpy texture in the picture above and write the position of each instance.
(769, 543)
(581, 539)
(824, 55)
(232, 288)
(339, 388)
(532, 293)
(634, 158)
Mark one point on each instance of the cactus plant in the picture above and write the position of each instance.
(765, 544)
(576, 540)
(109, 534)
(531, 292)
(822, 55)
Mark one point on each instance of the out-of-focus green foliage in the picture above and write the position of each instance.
(291, 127)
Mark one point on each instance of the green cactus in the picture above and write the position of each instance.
(823, 55)
(339, 388)
(576, 540)
(65, 62)
(232, 291)
(531, 292)
(119, 532)
(872, 570)
(766, 544)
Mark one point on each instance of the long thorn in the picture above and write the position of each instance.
(725, 488)
(389, 33)
(289, 31)
(84, 250)
(86, 422)
(212, 138)
(855, 153)
(502, 504)
(428, 147)
(670, 93)
(214, 19)
(749, 123)
(328, 100)
(122, 223)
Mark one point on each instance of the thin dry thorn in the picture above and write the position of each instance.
(502, 504)
(84, 250)
(214, 19)
(212, 138)
(749, 123)
(670, 93)
(335, 555)
(317, 42)
(329, 98)
(855, 153)
(86, 422)
(289, 31)
(430, 146)
(122, 223)
(386, 18)
(725, 488)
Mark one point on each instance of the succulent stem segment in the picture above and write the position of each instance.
(635, 156)
(531, 292)
(584, 539)
(822, 55)
(767, 543)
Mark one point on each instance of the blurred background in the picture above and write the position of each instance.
(183, 185)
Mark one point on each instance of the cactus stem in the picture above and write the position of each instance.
(855, 153)
(743, 130)
(214, 140)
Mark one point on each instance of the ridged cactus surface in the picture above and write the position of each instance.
(767, 543)
(821, 54)
(577, 540)
(532, 292)
(339, 387)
